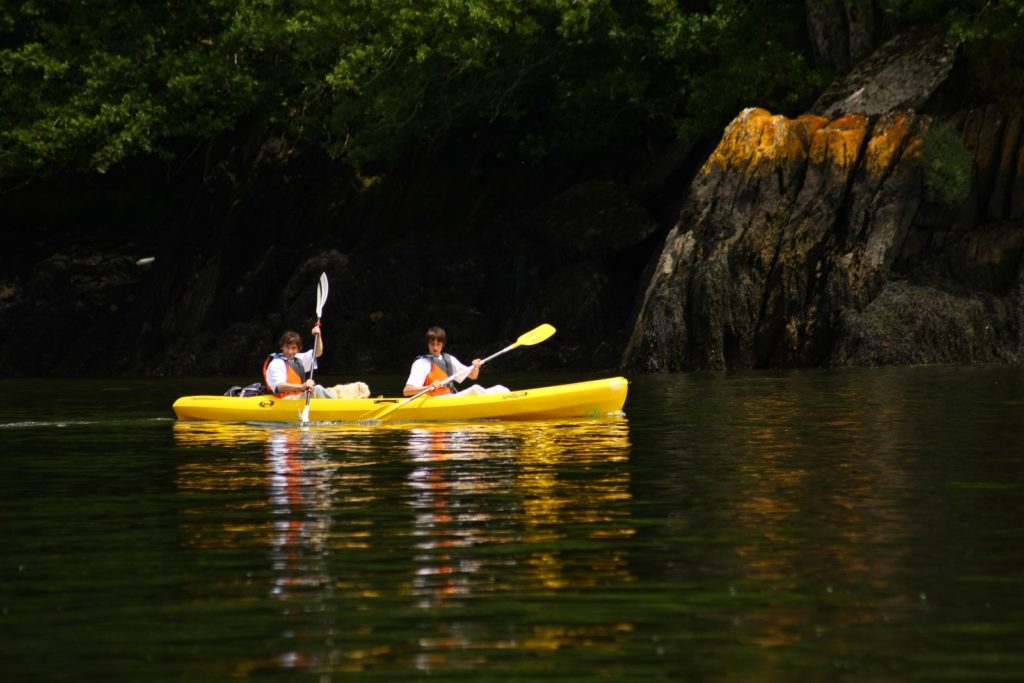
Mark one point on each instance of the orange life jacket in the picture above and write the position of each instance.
(438, 374)
(294, 369)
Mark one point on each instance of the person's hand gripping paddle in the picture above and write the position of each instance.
(534, 336)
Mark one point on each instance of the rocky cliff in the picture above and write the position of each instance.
(808, 242)
(813, 240)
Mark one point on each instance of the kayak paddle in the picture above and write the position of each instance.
(534, 336)
(321, 299)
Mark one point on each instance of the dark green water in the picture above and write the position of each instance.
(860, 525)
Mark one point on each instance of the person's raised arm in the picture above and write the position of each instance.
(318, 344)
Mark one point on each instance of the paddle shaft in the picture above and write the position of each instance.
(317, 340)
(322, 288)
(534, 336)
(321, 299)
(395, 406)
(449, 380)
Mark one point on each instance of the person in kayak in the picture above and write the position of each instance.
(284, 372)
(432, 369)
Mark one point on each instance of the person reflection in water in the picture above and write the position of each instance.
(431, 370)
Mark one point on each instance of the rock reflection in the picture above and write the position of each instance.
(496, 513)
(786, 482)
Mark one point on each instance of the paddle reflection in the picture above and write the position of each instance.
(298, 480)
(493, 509)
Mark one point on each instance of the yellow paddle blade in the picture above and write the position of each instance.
(536, 335)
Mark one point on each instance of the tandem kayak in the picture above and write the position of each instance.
(581, 399)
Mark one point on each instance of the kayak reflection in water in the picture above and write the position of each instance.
(431, 370)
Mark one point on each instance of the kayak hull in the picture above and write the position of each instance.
(581, 399)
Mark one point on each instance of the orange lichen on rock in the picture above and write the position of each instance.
(889, 140)
(839, 142)
(760, 142)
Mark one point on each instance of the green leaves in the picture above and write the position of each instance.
(89, 85)
(80, 88)
(947, 166)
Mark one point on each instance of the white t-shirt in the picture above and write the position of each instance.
(277, 371)
(421, 368)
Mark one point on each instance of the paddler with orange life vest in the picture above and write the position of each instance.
(285, 372)
(432, 369)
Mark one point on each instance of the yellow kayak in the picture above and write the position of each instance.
(581, 399)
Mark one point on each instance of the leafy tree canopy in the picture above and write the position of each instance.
(88, 84)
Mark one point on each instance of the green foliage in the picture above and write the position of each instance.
(990, 32)
(992, 46)
(947, 166)
(88, 85)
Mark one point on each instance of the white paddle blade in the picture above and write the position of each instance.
(321, 294)
(304, 415)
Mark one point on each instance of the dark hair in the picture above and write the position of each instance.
(438, 334)
(290, 337)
